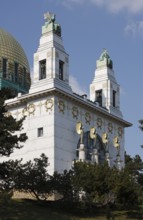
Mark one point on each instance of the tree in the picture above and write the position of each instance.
(32, 177)
(133, 165)
(126, 189)
(9, 140)
(62, 183)
(92, 183)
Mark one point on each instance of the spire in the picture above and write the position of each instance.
(50, 24)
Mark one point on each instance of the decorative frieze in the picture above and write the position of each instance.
(110, 127)
(61, 106)
(120, 131)
(49, 104)
(87, 118)
(99, 123)
(75, 112)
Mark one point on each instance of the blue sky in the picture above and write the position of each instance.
(88, 26)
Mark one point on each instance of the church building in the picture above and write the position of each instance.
(63, 125)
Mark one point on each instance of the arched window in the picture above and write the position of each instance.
(90, 145)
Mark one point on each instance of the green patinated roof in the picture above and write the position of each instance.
(105, 56)
(12, 50)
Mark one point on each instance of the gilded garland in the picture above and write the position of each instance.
(99, 123)
(87, 117)
(110, 127)
(31, 108)
(75, 112)
(25, 112)
(61, 106)
(120, 131)
(49, 104)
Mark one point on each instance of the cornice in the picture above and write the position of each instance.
(79, 100)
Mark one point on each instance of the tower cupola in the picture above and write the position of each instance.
(51, 62)
(104, 88)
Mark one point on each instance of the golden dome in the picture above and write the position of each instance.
(12, 50)
(12, 54)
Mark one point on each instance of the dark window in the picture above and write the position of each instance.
(4, 67)
(61, 70)
(114, 98)
(16, 71)
(99, 97)
(24, 77)
(42, 74)
(40, 132)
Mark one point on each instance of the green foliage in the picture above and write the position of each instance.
(92, 183)
(32, 177)
(61, 183)
(9, 140)
(125, 190)
(133, 165)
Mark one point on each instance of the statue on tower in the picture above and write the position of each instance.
(50, 24)
(50, 17)
(105, 56)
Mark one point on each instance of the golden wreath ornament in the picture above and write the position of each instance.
(120, 131)
(99, 123)
(110, 127)
(75, 112)
(49, 104)
(25, 112)
(31, 108)
(87, 117)
(61, 106)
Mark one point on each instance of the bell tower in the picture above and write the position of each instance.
(51, 62)
(104, 89)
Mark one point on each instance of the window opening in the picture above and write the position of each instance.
(42, 69)
(114, 98)
(61, 70)
(4, 67)
(16, 71)
(99, 97)
(40, 132)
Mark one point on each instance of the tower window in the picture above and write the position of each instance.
(42, 74)
(40, 132)
(16, 71)
(4, 67)
(99, 97)
(114, 98)
(61, 70)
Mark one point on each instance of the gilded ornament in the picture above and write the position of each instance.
(49, 104)
(110, 127)
(75, 112)
(25, 112)
(61, 106)
(99, 122)
(120, 131)
(87, 117)
(31, 108)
